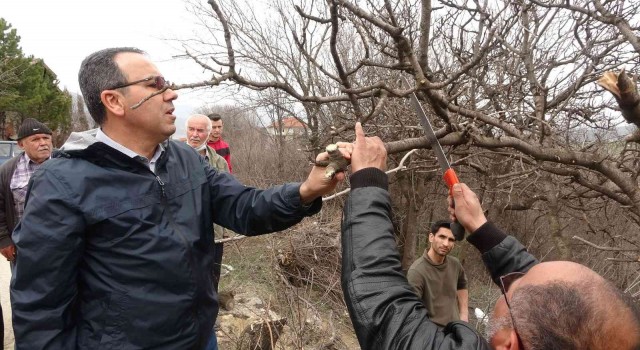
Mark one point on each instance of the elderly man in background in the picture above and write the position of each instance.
(34, 138)
(198, 127)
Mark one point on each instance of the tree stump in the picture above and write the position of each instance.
(226, 299)
(261, 335)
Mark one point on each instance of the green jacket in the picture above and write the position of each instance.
(217, 162)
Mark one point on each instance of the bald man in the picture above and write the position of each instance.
(551, 305)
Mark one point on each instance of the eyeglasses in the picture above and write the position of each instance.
(158, 82)
(506, 282)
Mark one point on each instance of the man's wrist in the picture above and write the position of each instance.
(306, 195)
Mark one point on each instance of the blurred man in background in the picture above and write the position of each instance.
(198, 127)
(215, 139)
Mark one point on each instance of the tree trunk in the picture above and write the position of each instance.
(409, 223)
(553, 216)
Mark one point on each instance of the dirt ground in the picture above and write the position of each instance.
(5, 278)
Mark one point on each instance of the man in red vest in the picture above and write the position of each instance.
(215, 138)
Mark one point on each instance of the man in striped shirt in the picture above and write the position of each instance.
(35, 139)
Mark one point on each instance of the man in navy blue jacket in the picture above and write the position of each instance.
(115, 249)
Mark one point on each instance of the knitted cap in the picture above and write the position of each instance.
(30, 127)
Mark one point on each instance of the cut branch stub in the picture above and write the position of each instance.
(625, 91)
(336, 162)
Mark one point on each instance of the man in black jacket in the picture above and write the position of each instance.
(115, 246)
(550, 305)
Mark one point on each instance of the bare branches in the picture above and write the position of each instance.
(227, 33)
(337, 61)
(504, 82)
(601, 14)
(608, 249)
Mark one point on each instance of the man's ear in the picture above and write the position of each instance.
(113, 101)
(505, 339)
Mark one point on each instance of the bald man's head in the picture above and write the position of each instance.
(564, 305)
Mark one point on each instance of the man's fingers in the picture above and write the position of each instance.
(457, 191)
(322, 157)
(345, 148)
(346, 153)
(360, 137)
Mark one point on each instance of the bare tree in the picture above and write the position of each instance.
(511, 86)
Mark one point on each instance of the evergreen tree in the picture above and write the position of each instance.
(28, 88)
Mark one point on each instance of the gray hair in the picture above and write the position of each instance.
(99, 72)
(497, 323)
(209, 124)
(570, 315)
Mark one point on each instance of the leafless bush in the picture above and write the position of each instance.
(313, 258)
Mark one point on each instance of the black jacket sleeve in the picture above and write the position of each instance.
(501, 254)
(7, 211)
(385, 312)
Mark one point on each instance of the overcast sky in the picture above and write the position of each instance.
(64, 32)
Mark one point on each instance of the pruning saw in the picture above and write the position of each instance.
(450, 177)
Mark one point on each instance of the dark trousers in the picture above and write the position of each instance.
(213, 342)
(217, 263)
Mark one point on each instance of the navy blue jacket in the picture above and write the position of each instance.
(113, 256)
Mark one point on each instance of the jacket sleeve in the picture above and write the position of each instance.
(385, 311)
(252, 211)
(49, 242)
(501, 253)
(5, 235)
(5, 182)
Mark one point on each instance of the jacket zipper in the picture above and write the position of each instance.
(164, 194)
(164, 200)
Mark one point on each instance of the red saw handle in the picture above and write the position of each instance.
(451, 179)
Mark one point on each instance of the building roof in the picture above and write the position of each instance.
(288, 123)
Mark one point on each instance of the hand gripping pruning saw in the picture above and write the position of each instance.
(450, 177)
